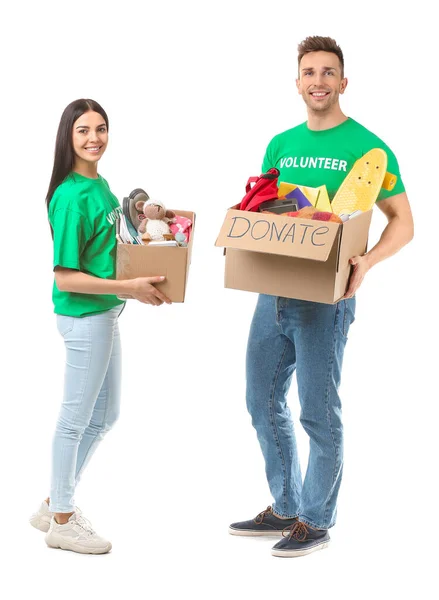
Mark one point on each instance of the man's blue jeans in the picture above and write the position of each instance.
(307, 337)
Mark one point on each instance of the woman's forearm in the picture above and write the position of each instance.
(69, 280)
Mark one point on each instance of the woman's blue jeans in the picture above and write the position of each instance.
(91, 400)
(307, 337)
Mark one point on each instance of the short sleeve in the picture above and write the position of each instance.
(269, 160)
(392, 167)
(105, 181)
(71, 231)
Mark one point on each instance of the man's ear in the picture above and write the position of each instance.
(140, 204)
(343, 85)
(298, 85)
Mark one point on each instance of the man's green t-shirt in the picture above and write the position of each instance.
(315, 158)
(82, 213)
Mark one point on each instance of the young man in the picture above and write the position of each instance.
(308, 337)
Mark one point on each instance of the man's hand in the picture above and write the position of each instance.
(361, 267)
(144, 291)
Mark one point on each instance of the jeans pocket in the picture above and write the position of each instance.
(64, 324)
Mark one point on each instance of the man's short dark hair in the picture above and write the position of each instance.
(317, 43)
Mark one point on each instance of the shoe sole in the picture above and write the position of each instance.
(63, 545)
(294, 553)
(40, 524)
(253, 533)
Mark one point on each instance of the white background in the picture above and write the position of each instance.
(194, 92)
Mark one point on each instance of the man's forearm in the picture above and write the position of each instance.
(396, 235)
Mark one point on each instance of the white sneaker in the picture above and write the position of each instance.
(76, 535)
(41, 519)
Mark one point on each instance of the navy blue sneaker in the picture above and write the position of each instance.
(302, 539)
(266, 523)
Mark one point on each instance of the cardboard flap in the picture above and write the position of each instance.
(354, 238)
(278, 234)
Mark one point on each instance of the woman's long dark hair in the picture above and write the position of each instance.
(64, 154)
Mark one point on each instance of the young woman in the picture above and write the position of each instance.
(82, 211)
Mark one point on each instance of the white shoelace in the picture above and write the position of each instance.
(84, 524)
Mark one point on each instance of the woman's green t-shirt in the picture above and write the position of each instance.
(82, 213)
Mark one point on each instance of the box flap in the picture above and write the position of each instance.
(278, 234)
(354, 238)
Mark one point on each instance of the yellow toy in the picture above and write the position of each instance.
(363, 183)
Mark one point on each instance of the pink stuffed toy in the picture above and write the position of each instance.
(182, 225)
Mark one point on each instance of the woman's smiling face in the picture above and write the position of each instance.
(90, 137)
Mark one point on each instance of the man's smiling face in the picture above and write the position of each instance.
(320, 80)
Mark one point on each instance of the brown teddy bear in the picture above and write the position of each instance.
(154, 225)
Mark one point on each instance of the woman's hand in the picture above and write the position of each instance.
(144, 291)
